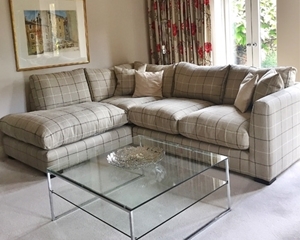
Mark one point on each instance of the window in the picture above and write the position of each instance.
(248, 30)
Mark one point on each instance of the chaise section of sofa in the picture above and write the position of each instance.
(66, 126)
(67, 155)
(49, 129)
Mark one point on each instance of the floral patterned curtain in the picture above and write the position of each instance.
(180, 30)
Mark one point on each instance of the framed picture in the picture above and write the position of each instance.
(49, 33)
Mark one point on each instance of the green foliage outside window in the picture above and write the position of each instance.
(268, 32)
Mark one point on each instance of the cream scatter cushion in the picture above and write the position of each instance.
(167, 82)
(245, 93)
(139, 66)
(148, 84)
(269, 83)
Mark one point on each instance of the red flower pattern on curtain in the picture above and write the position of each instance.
(180, 30)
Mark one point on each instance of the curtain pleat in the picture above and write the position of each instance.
(180, 30)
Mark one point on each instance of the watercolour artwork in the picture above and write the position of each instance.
(51, 31)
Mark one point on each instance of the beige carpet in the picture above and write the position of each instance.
(258, 211)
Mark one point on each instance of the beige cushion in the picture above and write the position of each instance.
(139, 66)
(269, 83)
(102, 83)
(168, 77)
(200, 82)
(148, 84)
(245, 94)
(59, 89)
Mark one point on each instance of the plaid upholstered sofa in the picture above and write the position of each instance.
(251, 115)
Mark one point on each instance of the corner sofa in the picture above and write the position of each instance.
(251, 115)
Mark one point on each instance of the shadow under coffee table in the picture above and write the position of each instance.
(137, 198)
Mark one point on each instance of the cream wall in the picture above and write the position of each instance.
(117, 31)
(288, 33)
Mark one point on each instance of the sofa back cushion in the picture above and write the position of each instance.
(238, 72)
(102, 83)
(200, 82)
(59, 89)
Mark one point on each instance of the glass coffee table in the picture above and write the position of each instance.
(142, 185)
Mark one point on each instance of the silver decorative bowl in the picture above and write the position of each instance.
(135, 157)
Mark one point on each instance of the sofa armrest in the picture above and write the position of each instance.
(275, 132)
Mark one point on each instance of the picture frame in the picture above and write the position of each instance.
(49, 33)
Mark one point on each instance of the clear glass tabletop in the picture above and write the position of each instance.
(136, 173)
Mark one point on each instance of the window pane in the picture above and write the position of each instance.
(238, 22)
(268, 33)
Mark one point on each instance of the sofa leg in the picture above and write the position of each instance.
(264, 181)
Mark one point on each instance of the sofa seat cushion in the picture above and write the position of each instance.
(163, 115)
(222, 125)
(127, 102)
(49, 129)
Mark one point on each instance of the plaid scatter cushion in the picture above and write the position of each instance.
(269, 83)
(200, 82)
(102, 83)
(50, 129)
(126, 65)
(125, 81)
(244, 97)
(288, 75)
(126, 78)
(59, 89)
(235, 76)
